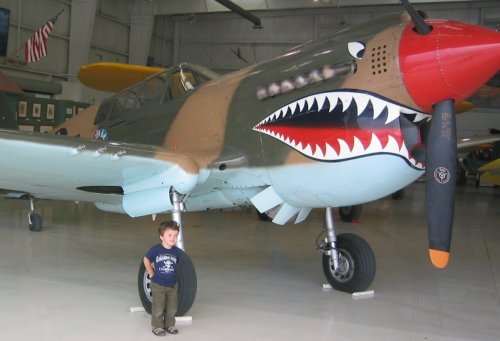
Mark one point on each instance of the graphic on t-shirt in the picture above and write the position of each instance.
(165, 263)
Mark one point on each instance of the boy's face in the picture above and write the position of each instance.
(169, 238)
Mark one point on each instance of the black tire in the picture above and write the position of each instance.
(350, 214)
(186, 276)
(35, 222)
(357, 264)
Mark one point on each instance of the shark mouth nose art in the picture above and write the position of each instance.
(341, 125)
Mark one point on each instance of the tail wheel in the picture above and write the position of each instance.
(356, 264)
(35, 222)
(186, 277)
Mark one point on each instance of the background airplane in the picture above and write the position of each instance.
(485, 163)
(491, 173)
(7, 114)
(114, 77)
(338, 121)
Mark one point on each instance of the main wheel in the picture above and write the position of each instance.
(35, 222)
(186, 277)
(350, 213)
(356, 264)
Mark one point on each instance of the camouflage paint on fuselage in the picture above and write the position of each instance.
(246, 110)
(337, 107)
(199, 127)
(217, 124)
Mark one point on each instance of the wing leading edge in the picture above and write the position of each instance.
(128, 178)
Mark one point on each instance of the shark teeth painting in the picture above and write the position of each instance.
(340, 125)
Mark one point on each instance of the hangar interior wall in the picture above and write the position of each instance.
(220, 41)
(214, 39)
(109, 41)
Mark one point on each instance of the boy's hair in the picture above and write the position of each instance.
(168, 224)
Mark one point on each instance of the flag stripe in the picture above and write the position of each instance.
(36, 46)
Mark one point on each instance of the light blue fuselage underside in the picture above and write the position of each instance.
(318, 184)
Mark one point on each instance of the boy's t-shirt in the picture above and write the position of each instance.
(165, 264)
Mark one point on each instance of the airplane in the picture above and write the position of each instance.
(114, 77)
(342, 120)
(491, 173)
(491, 170)
(7, 113)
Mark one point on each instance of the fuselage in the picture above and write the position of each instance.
(329, 123)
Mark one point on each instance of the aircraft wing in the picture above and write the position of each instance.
(114, 77)
(491, 172)
(463, 107)
(126, 178)
(492, 166)
(475, 141)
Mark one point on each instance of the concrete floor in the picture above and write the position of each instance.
(77, 279)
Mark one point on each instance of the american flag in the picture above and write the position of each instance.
(35, 48)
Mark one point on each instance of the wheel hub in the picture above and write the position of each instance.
(345, 270)
(146, 283)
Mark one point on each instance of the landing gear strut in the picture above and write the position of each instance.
(34, 219)
(348, 260)
(186, 274)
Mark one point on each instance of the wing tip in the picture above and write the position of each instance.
(439, 258)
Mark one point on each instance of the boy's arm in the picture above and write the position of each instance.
(149, 268)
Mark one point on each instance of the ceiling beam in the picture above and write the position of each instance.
(240, 11)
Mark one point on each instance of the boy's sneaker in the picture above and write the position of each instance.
(158, 331)
(172, 330)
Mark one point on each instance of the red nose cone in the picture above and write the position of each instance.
(451, 62)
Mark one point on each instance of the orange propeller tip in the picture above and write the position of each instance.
(439, 258)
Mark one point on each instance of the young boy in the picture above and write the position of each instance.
(164, 286)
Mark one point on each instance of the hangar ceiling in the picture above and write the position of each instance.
(173, 7)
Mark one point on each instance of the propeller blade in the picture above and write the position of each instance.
(441, 168)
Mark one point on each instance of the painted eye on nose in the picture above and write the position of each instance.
(356, 49)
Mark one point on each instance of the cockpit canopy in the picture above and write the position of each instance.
(168, 85)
